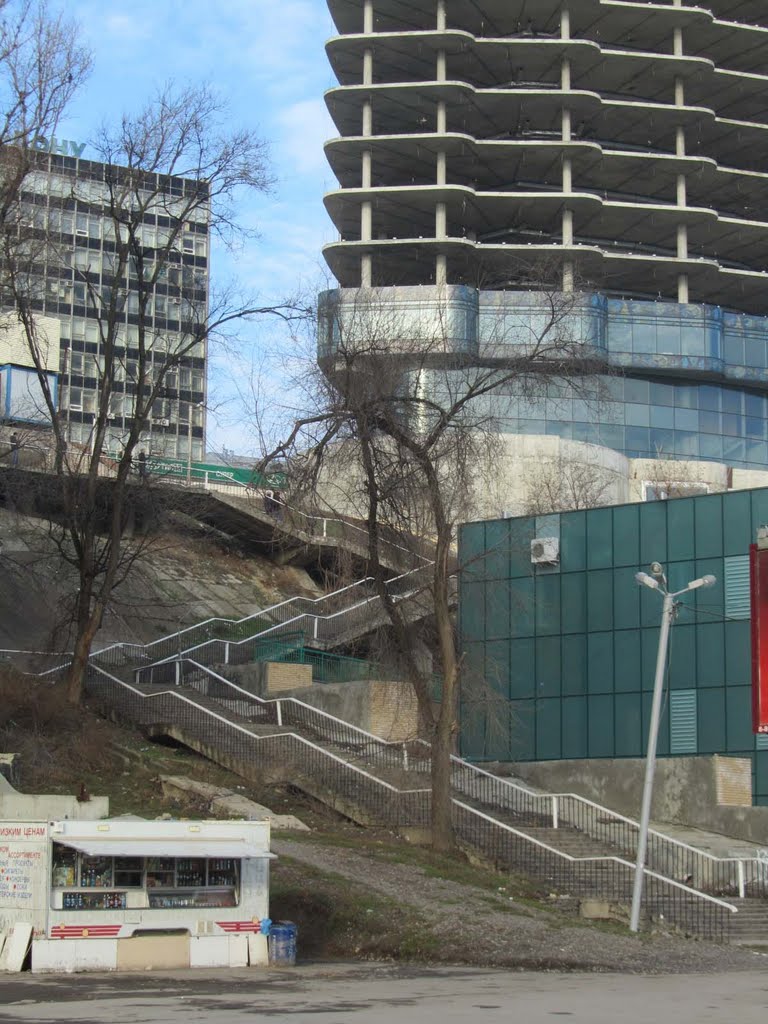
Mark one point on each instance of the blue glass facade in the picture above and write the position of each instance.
(686, 381)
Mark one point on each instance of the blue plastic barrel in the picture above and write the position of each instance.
(282, 943)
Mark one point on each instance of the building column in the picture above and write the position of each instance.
(441, 177)
(565, 23)
(681, 198)
(366, 208)
(566, 134)
(368, 17)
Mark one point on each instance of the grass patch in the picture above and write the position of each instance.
(340, 920)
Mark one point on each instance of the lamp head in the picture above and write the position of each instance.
(657, 570)
(646, 580)
(705, 581)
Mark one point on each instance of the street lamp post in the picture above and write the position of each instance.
(656, 581)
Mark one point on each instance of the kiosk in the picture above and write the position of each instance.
(124, 894)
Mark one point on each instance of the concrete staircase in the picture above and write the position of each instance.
(376, 783)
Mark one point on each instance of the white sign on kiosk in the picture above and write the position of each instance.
(94, 892)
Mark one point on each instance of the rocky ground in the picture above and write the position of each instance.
(422, 908)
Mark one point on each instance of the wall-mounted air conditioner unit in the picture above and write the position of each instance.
(545, 551)
(162, 422)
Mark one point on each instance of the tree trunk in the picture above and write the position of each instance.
(76, 672)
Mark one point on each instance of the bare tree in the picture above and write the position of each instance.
(167, 181)
(402, 427)
(563, 484)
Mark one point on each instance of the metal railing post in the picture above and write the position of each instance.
(279, 709)
(405, 758)
(742, 883)
(314, 629)
(555, 813)
(178, 671)
(226, 653)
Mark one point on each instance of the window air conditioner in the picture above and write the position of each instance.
(545, 551)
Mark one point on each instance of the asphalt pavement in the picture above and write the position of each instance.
(382, 994)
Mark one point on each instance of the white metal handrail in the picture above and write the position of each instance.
(144, 651)
(551, 800)
(394, 789)
(607, 859)
(254, 736)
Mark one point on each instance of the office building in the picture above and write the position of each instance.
(495, 153)
(66, 201)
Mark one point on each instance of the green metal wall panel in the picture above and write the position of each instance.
(761, 775)
(522, 607)
(653, 532)
(710, 654)
(548, 666)
(472, 545)
(496, 669)
(649, 646)
(711, 720)
(600, 724)
(522, 668)
(738, 713)
(574, 727)
(497, 609)
(573, 542)
(627, 664)
(548, 744)
(737, 525)
(574, 660)
(708, 525)
(521, 533)
(574, 649)
(599, 600)
(626, 536)
(738, 653)
(522, 730)
(680, 535)
(709, 602)
(627, 725)
(600, 538)
(573, 602)
(473, 611)
(682, 657)
(548, 605)
(626, 599)
(600, 662)
(645, 710)
(759, 512)
(497, 549)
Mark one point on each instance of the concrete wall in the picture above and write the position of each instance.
(45, 807)
(712, 793)
(386, 709)
(525, 465)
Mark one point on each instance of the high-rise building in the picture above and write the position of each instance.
(494, 151)
(70, 202)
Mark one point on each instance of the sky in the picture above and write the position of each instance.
(266, 59)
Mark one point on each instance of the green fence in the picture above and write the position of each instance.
(326, 668)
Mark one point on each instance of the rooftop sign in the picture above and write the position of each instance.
(62, 147)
